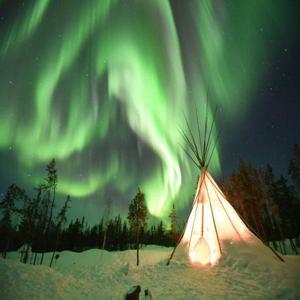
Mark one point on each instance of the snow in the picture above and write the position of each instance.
(97, 274)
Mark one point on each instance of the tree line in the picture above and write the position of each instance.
(29, 224)
(270, 205)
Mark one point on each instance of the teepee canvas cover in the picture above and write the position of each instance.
(211, 222)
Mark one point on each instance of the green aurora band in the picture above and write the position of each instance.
(103, 86)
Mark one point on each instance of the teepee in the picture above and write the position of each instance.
(213, 224)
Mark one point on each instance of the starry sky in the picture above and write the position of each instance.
(104, 87)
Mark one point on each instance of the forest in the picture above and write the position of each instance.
(269, 205)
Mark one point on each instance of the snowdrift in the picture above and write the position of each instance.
(97, 274)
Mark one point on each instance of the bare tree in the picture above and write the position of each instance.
(62, 218)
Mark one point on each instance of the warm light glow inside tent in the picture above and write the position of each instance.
(211, 221)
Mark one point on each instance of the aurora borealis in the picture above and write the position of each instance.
(103, 87)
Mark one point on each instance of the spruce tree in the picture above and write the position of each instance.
(49, 188)
(13, 203)
(26, 228)
(124, 236)
(36, 220)
(7, 207)
(137, 217)
(51, 182)
(174, 224)
(105, 221)
(294, 166)
(160, 234)
(44, 220)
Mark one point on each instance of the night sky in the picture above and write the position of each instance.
(103, 87)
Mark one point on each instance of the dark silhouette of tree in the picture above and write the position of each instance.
(174, 224)
(289, 210)
(101, 234)
(74, 235)
(269, 205)
(93, 237)
(114, 232)
(26, 227)
(294, 166)
(247, 195)
(151, 235)
(36, 220)
(44, 222)
(160, 234)
(124, 236)
(117, 232)
(51, 183)
(7, 206)
(48, 204)
(105, 221)
(13, 203)
(271, 209)
(137, 217)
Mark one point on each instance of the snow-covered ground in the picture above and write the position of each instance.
(98, 274)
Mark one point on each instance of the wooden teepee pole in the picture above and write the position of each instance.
(202, 221)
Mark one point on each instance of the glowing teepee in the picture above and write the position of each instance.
(213, 224)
